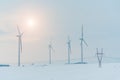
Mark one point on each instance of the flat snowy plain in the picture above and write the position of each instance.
(109, 71)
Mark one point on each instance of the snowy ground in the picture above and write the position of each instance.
(109, 71)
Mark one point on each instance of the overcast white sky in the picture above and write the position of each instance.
(55, 20)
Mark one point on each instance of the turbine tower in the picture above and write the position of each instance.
(82, 41)
(19, 44)
(69, 49)
(50, 52)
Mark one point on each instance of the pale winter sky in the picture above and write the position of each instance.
(43, 21)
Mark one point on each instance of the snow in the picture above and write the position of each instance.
(108, 71)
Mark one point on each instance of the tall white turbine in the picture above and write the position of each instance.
(50, 52)
(82, 41)
(19, 44)
(69, 49)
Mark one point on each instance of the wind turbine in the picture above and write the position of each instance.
(69, 49)
(19, 44)
(82, 41)
(50, 51)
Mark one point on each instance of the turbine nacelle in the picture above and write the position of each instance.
(81, 39)
(18, 35)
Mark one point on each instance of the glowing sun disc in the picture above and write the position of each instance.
(30, 22)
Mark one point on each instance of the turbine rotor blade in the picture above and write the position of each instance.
(52, 49)
(82, 31)
(18, 29)
(85, 42)
(21, 34)
(81, 42)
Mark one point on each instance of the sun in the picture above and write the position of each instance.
(30, 22)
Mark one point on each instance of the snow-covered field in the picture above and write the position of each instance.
(109, 71)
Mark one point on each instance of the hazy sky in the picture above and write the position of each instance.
(54, 21)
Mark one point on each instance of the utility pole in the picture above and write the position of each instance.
(99, 57)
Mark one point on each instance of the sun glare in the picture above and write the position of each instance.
(30, 22)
